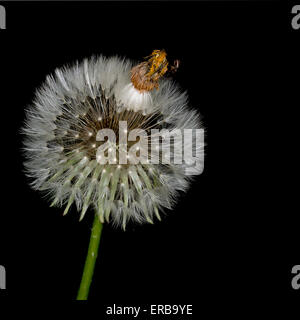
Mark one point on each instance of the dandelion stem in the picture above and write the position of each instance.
(90, 261)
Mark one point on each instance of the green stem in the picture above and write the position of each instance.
(91, 257)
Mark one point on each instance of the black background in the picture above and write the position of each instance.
(225, 240)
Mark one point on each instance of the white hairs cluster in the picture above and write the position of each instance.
(60, 141)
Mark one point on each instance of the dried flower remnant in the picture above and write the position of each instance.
(145, 75)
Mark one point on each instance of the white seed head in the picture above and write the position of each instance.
(60, 141)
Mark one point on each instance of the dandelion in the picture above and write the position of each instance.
(62, 142)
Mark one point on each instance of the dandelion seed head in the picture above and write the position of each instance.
(70, 108)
